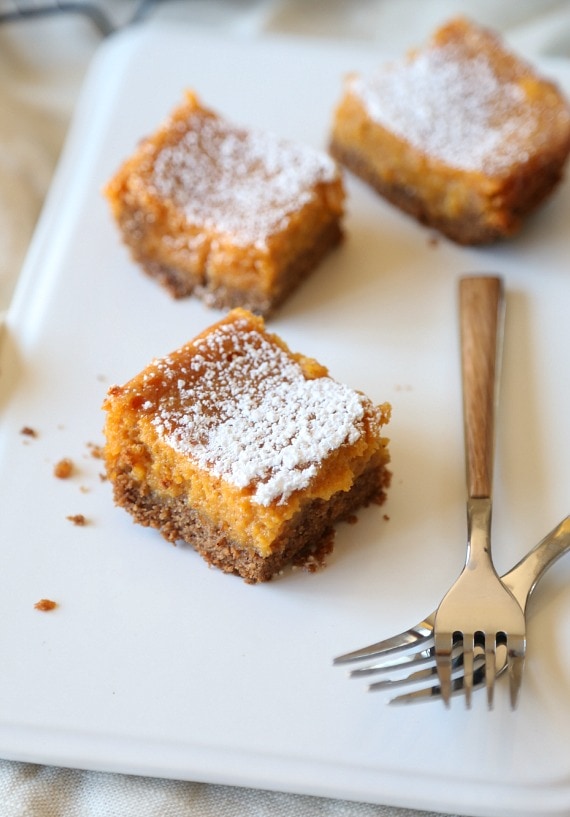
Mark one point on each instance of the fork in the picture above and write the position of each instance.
(479, 610)
(413, 649)
(92, 11)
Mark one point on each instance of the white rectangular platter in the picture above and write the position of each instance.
(155, 664)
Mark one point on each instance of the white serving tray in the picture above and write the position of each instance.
(155, 664)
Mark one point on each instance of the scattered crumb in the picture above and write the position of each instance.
(95, 450)
(28, 432)
(386, 517)
(433, 240)
(84, 489)
(45, 605)
(103, 477)
(77, 519)
(63, 469)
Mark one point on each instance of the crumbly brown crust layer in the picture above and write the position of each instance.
(305, 533)
(523, 193)
(181, 283)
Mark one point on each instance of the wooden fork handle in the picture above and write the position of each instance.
(481, 312)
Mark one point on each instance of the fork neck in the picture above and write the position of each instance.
(479, 513)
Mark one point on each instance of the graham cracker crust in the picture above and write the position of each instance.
(307, 532)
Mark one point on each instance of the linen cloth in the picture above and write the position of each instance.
(42, 65)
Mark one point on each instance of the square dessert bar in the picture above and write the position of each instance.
(237, 217)
(246, 451)
(461, 134)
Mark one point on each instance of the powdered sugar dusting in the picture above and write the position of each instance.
(242, 182)
(451, 105)
(244, 410)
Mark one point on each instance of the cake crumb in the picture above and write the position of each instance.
(45, 605)
(63, 469)
(28, 431)
(77, 519)
(95, 450)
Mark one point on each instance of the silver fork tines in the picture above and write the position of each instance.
(407, 660)
(479, 611)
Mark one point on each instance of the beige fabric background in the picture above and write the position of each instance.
(42, 65)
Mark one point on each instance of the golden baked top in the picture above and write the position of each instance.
(240, 405)
(228, 179)
(466, 101)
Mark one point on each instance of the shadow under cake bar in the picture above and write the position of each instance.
(237, 217)
(461, 134)
(243, 449)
